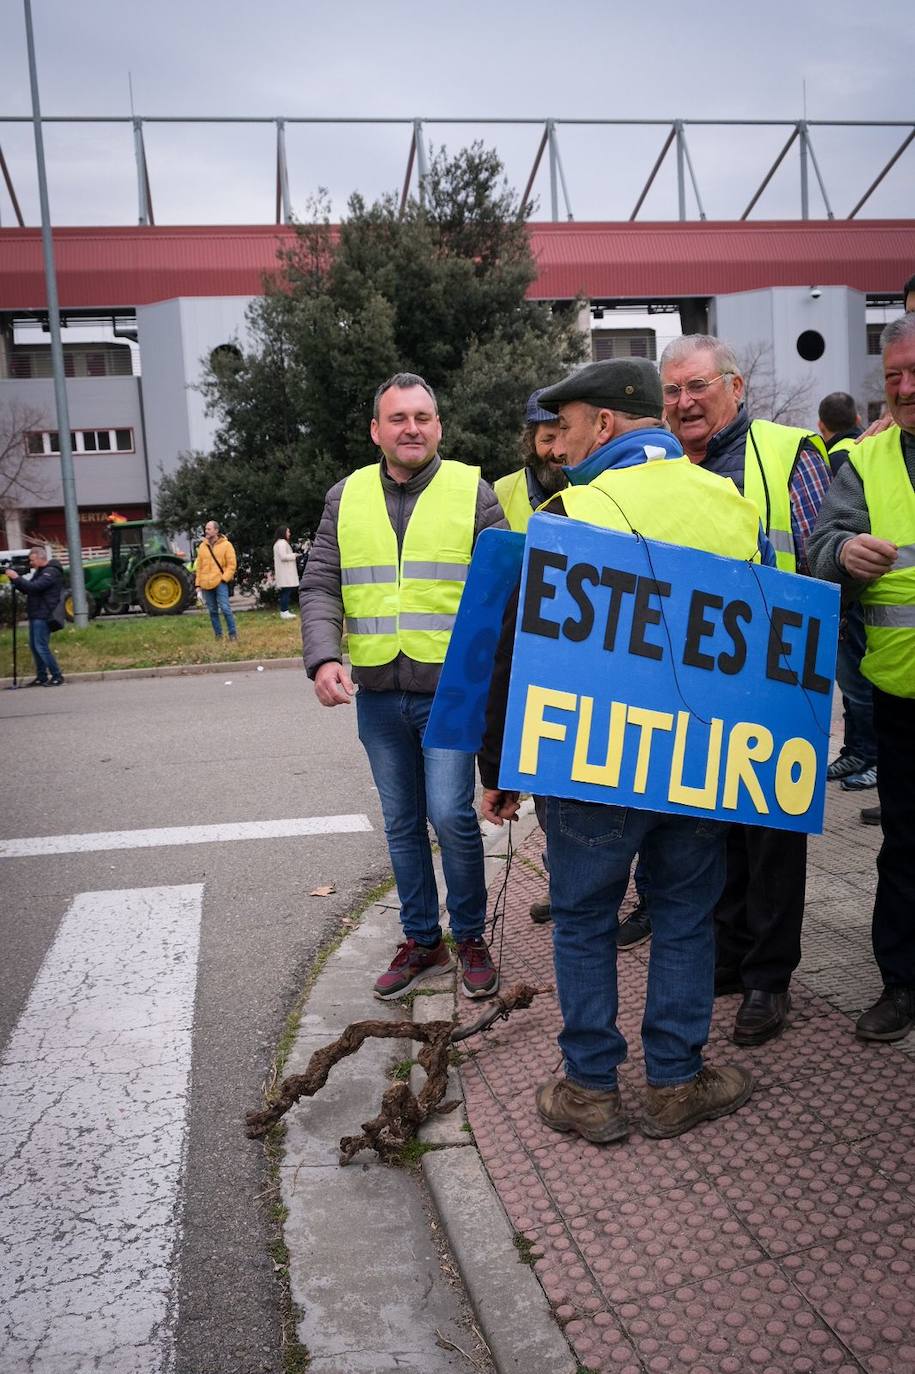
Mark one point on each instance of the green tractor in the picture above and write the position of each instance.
(142, 571)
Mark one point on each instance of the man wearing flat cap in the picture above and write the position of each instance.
(615, 446)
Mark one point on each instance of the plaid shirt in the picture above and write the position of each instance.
(809, 484)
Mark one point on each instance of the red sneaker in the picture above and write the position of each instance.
(479, 976)
(410, 965)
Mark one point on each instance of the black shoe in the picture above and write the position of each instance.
(890, 1018)
(540, 913)
(870, 815)
(56, 682)
(761, 1016)
(36, 682)
(636, 929)
(843, 766)
(727, 980)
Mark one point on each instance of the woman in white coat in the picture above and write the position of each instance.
(285, 573)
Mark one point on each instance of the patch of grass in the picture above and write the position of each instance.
(413, 1152)
(295, 1356)
(525, 1248)
(143, 641)
(401, 1071)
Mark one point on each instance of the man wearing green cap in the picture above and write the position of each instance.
(627, 472)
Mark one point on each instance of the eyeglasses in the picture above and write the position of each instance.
(695, 387)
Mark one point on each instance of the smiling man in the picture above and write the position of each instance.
(783, 471)
(865, 541)
(390, 558)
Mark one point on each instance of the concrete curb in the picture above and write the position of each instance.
(394, 1308)
(245, 665)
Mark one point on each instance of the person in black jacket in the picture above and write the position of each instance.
(43, 591)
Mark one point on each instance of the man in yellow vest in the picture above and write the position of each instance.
(616, 447)
(521, 492)
(865, 540)
(784, 472)
(390, 559)
(855, 766)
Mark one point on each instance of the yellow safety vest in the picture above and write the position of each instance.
(514, 499)
(889, 602)
(673, 500)
(408, 606)
(768, 467)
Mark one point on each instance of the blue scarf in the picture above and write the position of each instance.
(628, 451)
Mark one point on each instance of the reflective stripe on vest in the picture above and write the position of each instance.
(889, 602)
(675, 501)
(406, 606)
(768, 466)
(514, 499)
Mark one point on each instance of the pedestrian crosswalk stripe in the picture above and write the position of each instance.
(93, 1123)
(39, 845)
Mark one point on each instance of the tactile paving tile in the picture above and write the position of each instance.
(651, 1244)
(601, 1346)
(875, 1092)
(821, 1047)
(810, 1198)
(864, 1287)
(752, 1320)
(893, 1153)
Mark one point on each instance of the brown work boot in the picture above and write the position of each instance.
(712, 1093)
(592, 1113)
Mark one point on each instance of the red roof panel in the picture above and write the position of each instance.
(108, 268)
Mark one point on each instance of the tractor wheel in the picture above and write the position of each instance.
(163, 589)
(91, 606)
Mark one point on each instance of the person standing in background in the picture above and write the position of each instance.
(216, 565)
(285, 572)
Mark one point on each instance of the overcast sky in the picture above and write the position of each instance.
(572, 59)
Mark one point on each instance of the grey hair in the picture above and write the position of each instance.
(680, 349)
(897, 330)
(403, 380)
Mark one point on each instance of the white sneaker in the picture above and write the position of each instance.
(286, 615)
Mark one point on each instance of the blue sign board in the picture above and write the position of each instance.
(659, 677)
(458, 711)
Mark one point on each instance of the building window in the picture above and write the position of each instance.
(623, 343)
(84, 441)
(873, 339)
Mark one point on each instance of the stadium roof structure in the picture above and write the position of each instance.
(115, 268)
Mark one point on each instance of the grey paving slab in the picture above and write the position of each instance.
(365, 1273)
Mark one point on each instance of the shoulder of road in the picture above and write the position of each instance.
(246, 665)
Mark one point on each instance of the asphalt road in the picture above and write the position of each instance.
(116, 756)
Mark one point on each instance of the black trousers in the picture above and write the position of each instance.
(758, 918)
(894, 908)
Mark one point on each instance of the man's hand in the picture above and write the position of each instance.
(865, 557)
(12, 574)
(877, 427)
(333, 685)
(498, 806)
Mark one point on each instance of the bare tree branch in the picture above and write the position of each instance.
(769, 396)
(22, 474)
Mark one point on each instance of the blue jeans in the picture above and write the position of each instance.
(857, 693)
(417, 785)
(46, 665)
(217, 599)
(591, 849)
(284, 593)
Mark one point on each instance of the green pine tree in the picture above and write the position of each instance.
(439, 290)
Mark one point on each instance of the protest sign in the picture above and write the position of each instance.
(660, 677)
(457, 715)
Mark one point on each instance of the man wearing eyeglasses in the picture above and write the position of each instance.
(785, 473)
